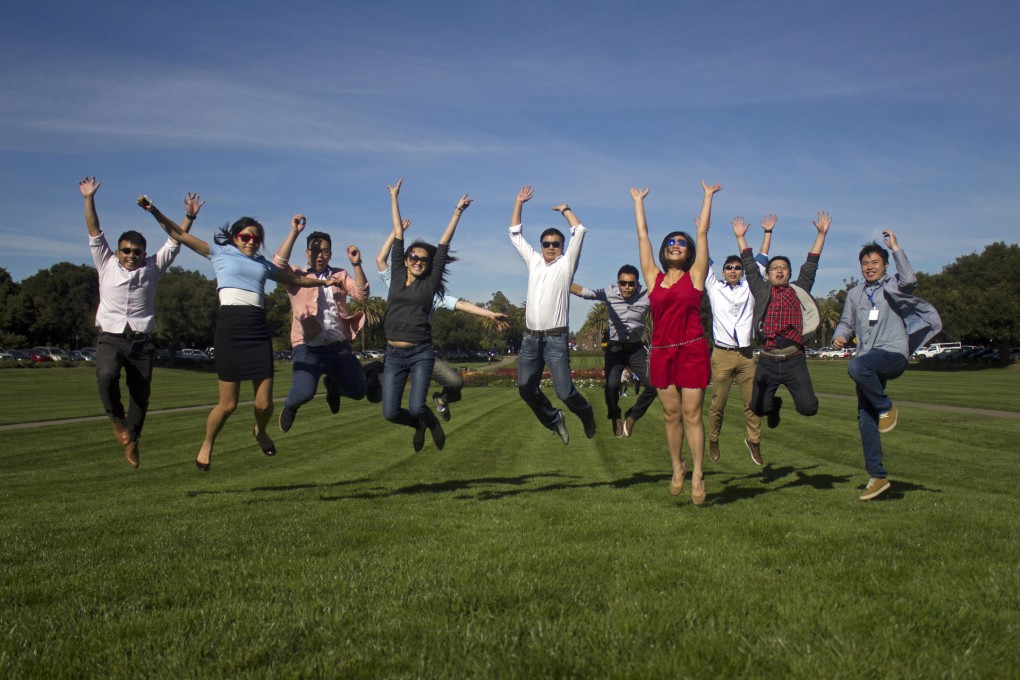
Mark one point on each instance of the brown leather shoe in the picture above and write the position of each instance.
(755, 449)
(713, 451)
(122, 433)
(628, 426)
(617, 427)
(131, 453)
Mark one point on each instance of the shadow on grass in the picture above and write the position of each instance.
(274, 489)
(735, 489)
(900, 489)
(456, 485)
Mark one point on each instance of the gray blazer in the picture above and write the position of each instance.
(920, 318)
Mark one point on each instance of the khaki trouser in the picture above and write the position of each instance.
(728, 366)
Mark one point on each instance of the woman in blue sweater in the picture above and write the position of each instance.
(417, 277)
(244, 349)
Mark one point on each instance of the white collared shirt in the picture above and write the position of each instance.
(127, 299)
(732, 310)
(548, 303)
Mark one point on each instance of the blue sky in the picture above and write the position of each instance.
(897, 115)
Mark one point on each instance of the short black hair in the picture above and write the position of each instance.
(132, 236)
(553, 230)
(873, 247)
(627, 269)
(691, 250)
(319, 236)
(733, 258)
(784, 258)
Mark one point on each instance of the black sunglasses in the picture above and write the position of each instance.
(418, 258)
(629, 284)
(137, 252)
(682, 242)
(552, 244)
(733, 267)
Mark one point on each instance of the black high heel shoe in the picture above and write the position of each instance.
(204, 467)
(271, 450)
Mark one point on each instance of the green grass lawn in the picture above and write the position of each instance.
(507, 554)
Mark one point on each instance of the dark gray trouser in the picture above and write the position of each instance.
(135, 358)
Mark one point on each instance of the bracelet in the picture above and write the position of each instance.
(356, 264)
(767, 231)
(191, 216)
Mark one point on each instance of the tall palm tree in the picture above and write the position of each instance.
(594, 327)
(374, 309)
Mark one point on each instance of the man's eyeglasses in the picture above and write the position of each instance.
(413, 258)
(250, 238)
(137, 252)
(682, 242)
(778, 268)
(628, 284)
(552, 244)
(733, 267)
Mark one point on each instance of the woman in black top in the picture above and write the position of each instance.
(417, 277)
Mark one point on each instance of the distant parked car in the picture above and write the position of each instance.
(191, 356)
(55, 353)
(376, 354)
(79, 356)
(6, 355)
(37, 356)
(162, 357)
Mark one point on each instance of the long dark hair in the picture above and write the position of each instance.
(228, 232)
(691, 251)
(431, 250)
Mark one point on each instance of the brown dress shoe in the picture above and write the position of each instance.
(131, 453)
(122, 433)
(628, 426)
(713, 451)
(617, 427)
(755, 449)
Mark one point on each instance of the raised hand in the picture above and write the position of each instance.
(145, 204)
(395, 189)
(890, 240)
(464, 202)
(525, 194)
(561, 208)
(823, 222)
(710, 189)
(405, 223)
(638, 194)
(353, 254)
(88, 187)
(740, 227)
(193, 203)
(297, 223)
(769, 221)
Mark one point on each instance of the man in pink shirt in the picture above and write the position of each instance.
(321, 328)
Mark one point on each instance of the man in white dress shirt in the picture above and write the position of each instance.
(125, 318)
(545, 342)
(732, 321)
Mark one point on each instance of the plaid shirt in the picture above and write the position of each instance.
(783, 322)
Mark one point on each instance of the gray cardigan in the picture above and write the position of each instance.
(762, 289)
(920, 318)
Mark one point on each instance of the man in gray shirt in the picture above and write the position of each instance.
(628, 312)
(889, 325)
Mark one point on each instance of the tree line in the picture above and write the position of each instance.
(978, 297)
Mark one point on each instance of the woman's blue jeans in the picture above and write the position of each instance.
(401, 362)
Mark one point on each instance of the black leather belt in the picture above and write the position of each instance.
(729, 349)
(780, 357)
(552, 332)
(130, 335)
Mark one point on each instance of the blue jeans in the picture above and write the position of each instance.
(335, 361)
(535, 355)
(871, 371)
(417, 362)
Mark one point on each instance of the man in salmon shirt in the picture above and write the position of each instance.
(321, 328)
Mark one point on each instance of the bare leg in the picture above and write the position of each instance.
(229, 392)
(263, 410)
(672, 414)
(693, 400)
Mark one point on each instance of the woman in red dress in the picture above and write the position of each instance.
(679, 363)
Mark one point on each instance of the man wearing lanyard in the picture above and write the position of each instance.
(550, 273)
(321, 329)
(732, 316)
(889, 324)
(628, 311)
(126, 315)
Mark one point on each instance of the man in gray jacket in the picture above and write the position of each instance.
(889, 325)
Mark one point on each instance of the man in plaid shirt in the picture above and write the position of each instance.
(779, 320)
